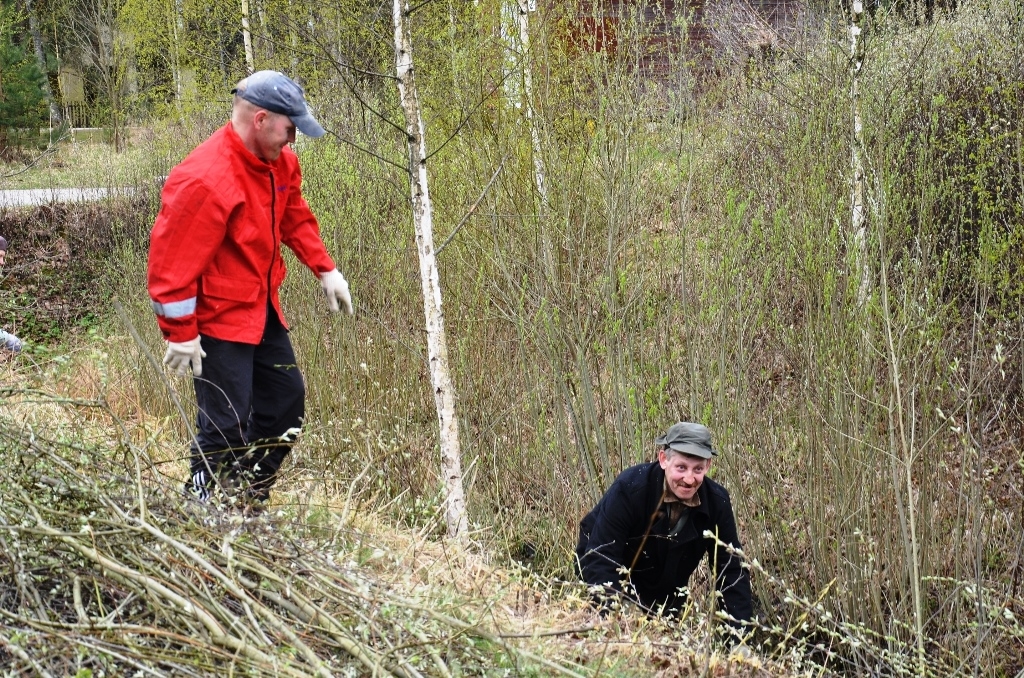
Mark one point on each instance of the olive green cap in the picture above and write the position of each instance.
(688, 438)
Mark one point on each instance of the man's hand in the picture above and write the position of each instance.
(336, 289)
(179, 355)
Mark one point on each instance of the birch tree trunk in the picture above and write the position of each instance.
(858, 218)
(247, 38)
(519, 44)
(37, 44)
(265, 43)
(422, 214)
(177, 35)
(524, 9)
(293, 41)
(908, 513)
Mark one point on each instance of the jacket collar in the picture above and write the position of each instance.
(243, 154)
(702, 492)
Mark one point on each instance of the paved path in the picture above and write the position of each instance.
(45, 196)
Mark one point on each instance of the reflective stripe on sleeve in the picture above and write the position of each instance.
(175, 309)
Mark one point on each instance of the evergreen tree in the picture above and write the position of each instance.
(22, 97)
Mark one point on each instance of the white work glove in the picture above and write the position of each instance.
(179, 355)
(336, 289)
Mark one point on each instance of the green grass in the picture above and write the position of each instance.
(70, 164)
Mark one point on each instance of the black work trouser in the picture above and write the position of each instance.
(251, 401)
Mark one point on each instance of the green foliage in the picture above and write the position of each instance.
(22, 98)
(840, 386)
(953, 141)
(186, 54)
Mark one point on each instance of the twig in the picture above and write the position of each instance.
(472, 209)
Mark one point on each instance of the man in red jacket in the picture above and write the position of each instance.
(215, 268)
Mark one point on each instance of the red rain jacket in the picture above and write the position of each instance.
(215, 248)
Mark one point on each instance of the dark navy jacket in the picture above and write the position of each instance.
(612, 533)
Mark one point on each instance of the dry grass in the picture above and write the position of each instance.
(107, 568)
(74, 164)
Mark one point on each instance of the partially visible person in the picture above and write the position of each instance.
(215, 268)
(7, 340)
(645, 537)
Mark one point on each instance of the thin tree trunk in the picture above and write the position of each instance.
(3, 128)
(858, 219)
(539, 172)
(110, 61)
(521, 10)
(422, 212)
(524, 46)
(265, 43)
(176, 37)
(37, 43)
(899, 439)
(293, 40)
(250, 63)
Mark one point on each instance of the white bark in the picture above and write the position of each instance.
(859, 228)
(422, 213)
(250, 63)
(293, 40)
(858, 219)
(266, 44)
(521, 10)
(524, 47)
(177, 35)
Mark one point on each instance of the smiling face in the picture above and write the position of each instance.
(273, 132)
(683, 473)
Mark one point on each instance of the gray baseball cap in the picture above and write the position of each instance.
(688, 438)
(278, 93)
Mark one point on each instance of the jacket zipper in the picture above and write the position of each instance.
(273, 235)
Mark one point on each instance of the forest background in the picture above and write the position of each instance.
(642, 215)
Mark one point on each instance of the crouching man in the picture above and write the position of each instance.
(645, 537)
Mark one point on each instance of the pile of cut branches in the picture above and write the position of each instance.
(103, 572)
